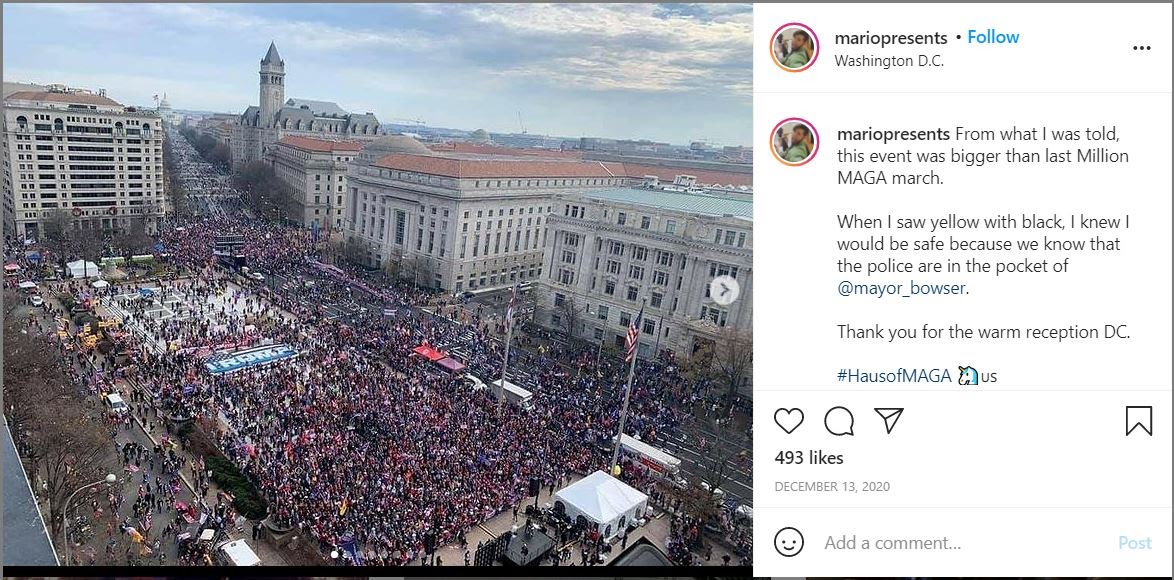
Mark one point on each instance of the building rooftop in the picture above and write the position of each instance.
(272, 55)
(75, 98)
(10, 87)
(320, 145)
(319, 108)
(699, 203)
(490, 166)
(490, 149)
(388, 144)
(26, 541)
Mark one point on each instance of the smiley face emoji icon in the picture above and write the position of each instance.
(789, 542)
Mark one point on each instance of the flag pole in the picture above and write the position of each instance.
(505, 362)
(615, 456)
(509, 334)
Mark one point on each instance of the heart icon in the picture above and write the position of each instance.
(789, 419)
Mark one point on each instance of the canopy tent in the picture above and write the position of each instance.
(84, 269)
(451, 364)
(27, 285)
(99, 284)
(425, 350)
(603, 500)
(11, 267)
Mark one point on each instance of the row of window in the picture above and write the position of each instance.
(578, 211)
(493, 278)
(502, 211)
(522, 241)
(508, 223)
(729, 238)
(547, 182)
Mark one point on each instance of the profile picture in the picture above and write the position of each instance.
(794, 47)
(794, 141)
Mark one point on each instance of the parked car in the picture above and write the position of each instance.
(35, 300)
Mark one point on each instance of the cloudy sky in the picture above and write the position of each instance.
(671, 72)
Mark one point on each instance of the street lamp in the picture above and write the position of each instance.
(109, 479)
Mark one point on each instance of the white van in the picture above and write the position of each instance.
(656, 460)
(115, 403)
(515, 394)
(236, 553)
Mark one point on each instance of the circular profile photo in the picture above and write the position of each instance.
(794, 141)
(794, 47)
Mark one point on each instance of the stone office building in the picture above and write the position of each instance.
(459, 221)
(609, 250)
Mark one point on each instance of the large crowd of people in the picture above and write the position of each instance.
(358, 436)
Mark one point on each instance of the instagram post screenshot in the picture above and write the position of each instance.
(387, 290)
(350, 286)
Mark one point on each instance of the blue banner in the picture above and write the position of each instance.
(230, 362)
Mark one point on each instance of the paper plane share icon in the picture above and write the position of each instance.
(890, 415)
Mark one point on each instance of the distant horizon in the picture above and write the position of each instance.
(665, 73)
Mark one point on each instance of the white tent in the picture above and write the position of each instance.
(604, 500)
(84, 269)
(99, 284)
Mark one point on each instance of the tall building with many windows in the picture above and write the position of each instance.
(458, 221)
(315, 170)
(82, 153)
(611, 249)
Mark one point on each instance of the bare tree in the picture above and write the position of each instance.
(32, 380)
(176, 192)
(59, 235)
(411, 268)
(75, 450)
(266, 193)
(715, 469)
(570, 315)
(134, 238)
(351, 250)
(734, 360)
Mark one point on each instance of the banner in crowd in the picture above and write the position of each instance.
(230, 362)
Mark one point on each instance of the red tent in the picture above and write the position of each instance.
(425, 350)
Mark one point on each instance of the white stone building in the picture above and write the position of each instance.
(262, 125)
(74, 150)
(609, 250)
(316, 171)
(459, 221)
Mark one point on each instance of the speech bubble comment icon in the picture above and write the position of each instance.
(839, 421)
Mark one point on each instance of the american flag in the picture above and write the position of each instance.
(509, 311)
(633, 336)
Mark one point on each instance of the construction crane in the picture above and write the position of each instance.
(520, 123)
(418, 122)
